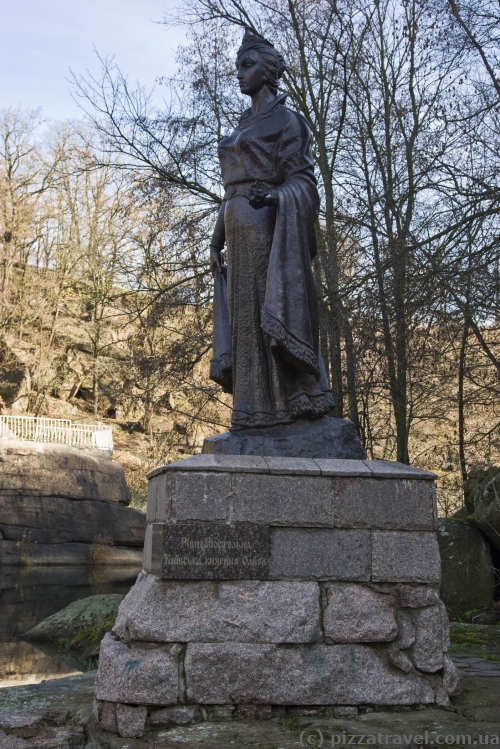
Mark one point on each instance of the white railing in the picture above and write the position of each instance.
(58, 431)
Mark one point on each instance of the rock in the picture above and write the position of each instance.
(468, 577)
(18, 724)
(12, 742)
(441, 695)
(56, 502)
(136, 674)
(405, 557)
(445, 624)
(416, 596)
(45, 470)
(55, 520)
(399, 659)
(427, 651)
(180, 715)
(355, 613)
(257, 712)
(69, 554)
(346, 712)
(221, 712)
(241, 611)
(480, 640)
(451, 680)
(81, 625)
(485, 500)
(107, 718)
(320, 438)
(406, 630)
(316, 675)
(131, 720)
(319, 553)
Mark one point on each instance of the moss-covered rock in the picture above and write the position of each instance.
(475, 639)
(80, 626)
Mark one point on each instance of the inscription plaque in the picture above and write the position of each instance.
(206, 551)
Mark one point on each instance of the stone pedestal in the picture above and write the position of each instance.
(274, 585)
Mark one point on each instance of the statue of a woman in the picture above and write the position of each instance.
(266, 222)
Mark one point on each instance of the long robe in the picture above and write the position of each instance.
(277, 371)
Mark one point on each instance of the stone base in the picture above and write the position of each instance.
(342, 609)
(319, 438)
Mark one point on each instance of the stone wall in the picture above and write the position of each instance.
(61, 505)
(344, 612)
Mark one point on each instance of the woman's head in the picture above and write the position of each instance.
(258, 64)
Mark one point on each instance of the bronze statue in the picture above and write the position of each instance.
(266, 222)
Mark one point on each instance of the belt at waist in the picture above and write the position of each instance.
(244, 189)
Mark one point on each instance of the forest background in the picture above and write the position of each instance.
(105, 286)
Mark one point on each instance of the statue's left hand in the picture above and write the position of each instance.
(259, 198)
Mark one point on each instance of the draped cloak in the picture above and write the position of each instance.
(277, 373)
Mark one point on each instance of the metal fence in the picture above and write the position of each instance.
(58, 431)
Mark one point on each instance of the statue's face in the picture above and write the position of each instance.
(251, 74)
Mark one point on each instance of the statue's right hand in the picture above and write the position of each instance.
(215, 257)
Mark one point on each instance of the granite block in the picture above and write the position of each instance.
(107, 719)
(282, 500)
(406, 630)
(221, 463)
(384, 503)
(180, 715)
(138, 593)
(392, 469)
(135, 674)
(159, 489)
(153, 548)
(131, 720)
(405, 557)
(320, 553)
(293, 466)
(451, 681)
(416, 596)
(427, 651)
(355, 613)
(241, 673)
(200, 496)
(339, 467)
(243, 611)
(398, 658)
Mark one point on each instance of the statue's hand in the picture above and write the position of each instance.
(215, 257)
(260, 196)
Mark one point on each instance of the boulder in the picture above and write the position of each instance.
(57, 520)
(468, 577)
(80, 626)
(61, 505)
(485, 499)
(93, 556)
(45, 470)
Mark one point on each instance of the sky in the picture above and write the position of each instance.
(40, 40)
